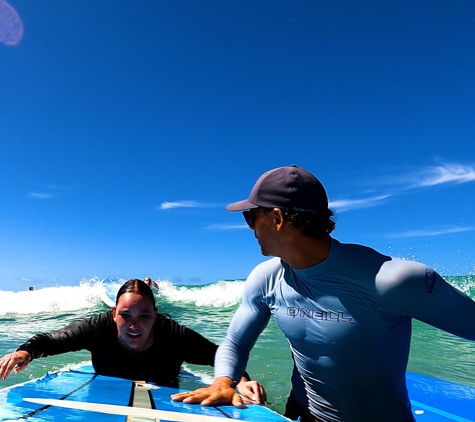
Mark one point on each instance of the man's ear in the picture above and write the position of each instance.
(279, 219)
(113, 309)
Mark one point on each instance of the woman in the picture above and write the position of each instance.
(130, 341)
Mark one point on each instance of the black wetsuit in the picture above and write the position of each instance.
(173, 344)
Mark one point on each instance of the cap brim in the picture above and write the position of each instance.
(241, 206)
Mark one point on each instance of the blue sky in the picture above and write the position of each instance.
(126, 127)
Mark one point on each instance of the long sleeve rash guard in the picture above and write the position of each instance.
(173, 344)
(348, 324)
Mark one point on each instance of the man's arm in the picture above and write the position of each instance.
(231, 358)
(230, 361)
(421, 293)
(199, 350)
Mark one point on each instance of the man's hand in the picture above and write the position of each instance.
(252, 392)
(219, 393)
(18, 360)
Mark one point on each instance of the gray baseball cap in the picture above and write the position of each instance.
(289, 188)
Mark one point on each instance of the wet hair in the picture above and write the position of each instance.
(136, 286)
(317, 226)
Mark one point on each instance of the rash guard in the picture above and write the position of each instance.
(173, 344)
(348, 324)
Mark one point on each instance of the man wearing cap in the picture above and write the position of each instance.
(345, 309)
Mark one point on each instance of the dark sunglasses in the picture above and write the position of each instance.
(250, 216)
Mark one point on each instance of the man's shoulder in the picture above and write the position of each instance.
(405, 268)
(357, 249)
(359, 259)
(271, 266)
(266, 274)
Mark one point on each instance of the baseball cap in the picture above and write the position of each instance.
(289, 188)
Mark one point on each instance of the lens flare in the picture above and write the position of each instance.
(11, 27)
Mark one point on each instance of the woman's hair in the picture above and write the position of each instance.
(136, 286)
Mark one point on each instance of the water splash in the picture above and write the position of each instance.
(465, 284)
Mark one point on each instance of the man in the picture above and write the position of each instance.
(345, 309)
(150, 283)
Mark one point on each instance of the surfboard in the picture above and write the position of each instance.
(79, 394)
(435, 400)
(109, 291)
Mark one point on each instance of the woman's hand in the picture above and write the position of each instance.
(252, 392)
(17, 361)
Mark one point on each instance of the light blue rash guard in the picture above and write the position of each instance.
(348, 324)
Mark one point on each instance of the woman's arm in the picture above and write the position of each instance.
(76, 336)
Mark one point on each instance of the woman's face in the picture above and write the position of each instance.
(134, 316)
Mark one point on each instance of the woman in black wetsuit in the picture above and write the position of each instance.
(130, 341)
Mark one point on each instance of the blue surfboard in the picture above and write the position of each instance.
(435, 400)
(109, 291)
(79, 394)
(110, 288)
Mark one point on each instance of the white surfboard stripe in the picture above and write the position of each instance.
(128, 411)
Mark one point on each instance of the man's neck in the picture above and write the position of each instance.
(305, 252)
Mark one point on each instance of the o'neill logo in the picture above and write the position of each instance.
(318, 315)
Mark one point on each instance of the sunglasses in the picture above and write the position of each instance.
(250, 216)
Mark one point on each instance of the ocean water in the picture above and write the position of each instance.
(208, 310)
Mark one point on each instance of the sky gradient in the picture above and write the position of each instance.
(126, 128)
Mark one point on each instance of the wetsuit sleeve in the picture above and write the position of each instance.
(197, 349)
(76, 336)
(421, 293)
(247, 324)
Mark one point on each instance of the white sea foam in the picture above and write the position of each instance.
(50, 299)
(87, 295)
(220, 294)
